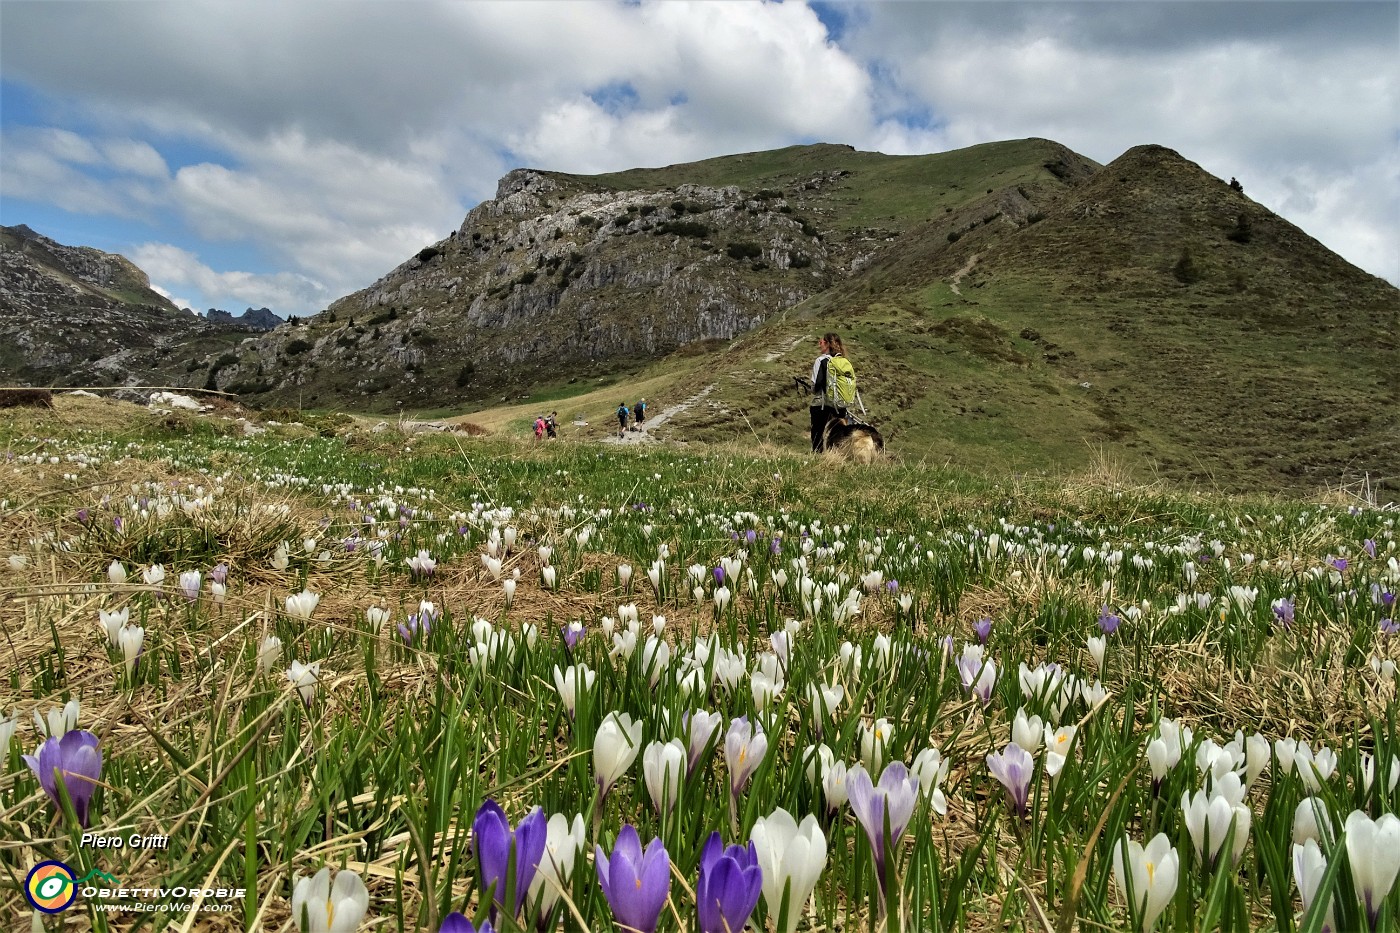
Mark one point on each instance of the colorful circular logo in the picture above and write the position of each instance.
(51, 887)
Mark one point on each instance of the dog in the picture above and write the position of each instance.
(858, 442)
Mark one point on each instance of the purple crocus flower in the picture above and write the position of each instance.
(78, 763)
(982, 628)
(719, 576)
(1339, 563)
(892, 801)
(750, 536)
(456, 922)
(1389, 627)
(1284, 611)
(1013, 766)
(573, 634)
(219, 574)
(892, 586)
(494, 841)
(1369, 546)
(1108, 622)
(635, 883)
(729, 886)
(83, 518)
(416, 628)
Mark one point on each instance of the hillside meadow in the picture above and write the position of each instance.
(487, 683)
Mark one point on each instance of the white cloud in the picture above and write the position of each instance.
(169, 265)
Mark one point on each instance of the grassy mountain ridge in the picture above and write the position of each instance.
(1270, 362)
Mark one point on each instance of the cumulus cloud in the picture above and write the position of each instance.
(169, 266)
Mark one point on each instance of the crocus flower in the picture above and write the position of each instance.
(421, 565)
(1284, 611)
(456, 922)
(792, 857)
(1098, 644)
(376, 616)
(745, 744)
(131, 637)
(615, 747)
(305, 677)
(1153, 872)
(663, 766)
(568, 682)
(190, 582)
(1013, 767)
(318, 906)
(269, 650)
(982, 628)
(8, 725)
(74, 759)
(978, 675)
(116, 573)
(563, 845)
(573, 634)
(874, 739)
(887, 804)
(494, 841)
(729, 886)
(112, 623)
(301, 605)
(1108, 622)
(931, 769)
(1373, 851)
(220, 573)
(153, 575)
(700, 728)
(636, 883)
(1309, 865)
(59, 720)
(1208, 820)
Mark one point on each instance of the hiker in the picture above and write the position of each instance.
(622, 412)
(539, 427)
(833, 387)
(639, 414)
(551, 425)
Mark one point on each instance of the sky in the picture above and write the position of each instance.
(284, 154)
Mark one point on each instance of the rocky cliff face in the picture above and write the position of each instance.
(74, 315)
(555, 274)
(253, 319)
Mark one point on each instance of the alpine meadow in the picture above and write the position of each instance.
(323, 637)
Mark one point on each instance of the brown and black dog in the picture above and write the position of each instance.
(858, 442)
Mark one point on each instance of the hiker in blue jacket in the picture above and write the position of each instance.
(622, 412)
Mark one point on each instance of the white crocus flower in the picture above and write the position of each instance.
(1309, 865)
(1057, 747)
(564, 843)
(268, 652)
(1154, 873)
(615, 747)
(153, 575)
(568, 681)
(874, 739)
(280, 558)
(1208, 821)
(656, 656)
(1311, 821)
(301, 605)
(1097, 646)
(1373, 851)
(8, 725)
(131, 638)
(59, 720)
(663, 766)
(376, 616)
(112, 622)
(1027, 731)
(116, 573)
(792, 856)
(318, 906)
(931, 769)
(305, 677)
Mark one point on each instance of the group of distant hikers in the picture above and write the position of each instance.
(547, 426)
(638, 412)
(833, 400)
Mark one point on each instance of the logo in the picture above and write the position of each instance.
(51, 886)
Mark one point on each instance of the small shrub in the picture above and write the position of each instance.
(954, 236)
(297, 347)
(1186, 270)
(465, 374)
(526, 278)
(678, 207)
(800, 261)
(1035, 218)
(685, 228)
(1243, 230)
(744, 250)
(647, 209)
